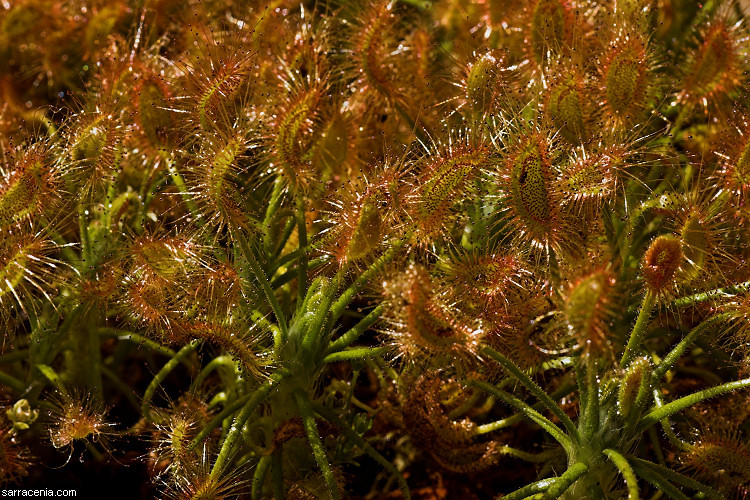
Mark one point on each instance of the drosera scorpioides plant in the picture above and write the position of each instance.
(376, 249)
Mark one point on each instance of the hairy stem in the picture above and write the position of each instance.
(537, 391)
(639, 330)
(316, 443)
(670, 359)
(163, 373)
(527, 411)
(363, 445)
(626, 470)
(239, 422)
(685, 402)
(562, 483)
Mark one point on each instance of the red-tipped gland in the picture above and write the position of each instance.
(715, 68)
(147, 305)
(364, 215)
(370, 48)
(218, 90)
(588, 311)
(529, 182)
(101, 25)
(76, 418)
(450, 442)
(636, 375)
(626, 77)
(695, 244)
(27, 188)
(565, 105)
(738, 309)
(723, 459)
(100, 289)
(215, 178)
(153, 114)
(14, 458)
(484, 83)
(95, 151)
(549, 28)
(26, 271)
(332, 147)
(293, 138)
(161, 257)
(661, 262)
(445, 181)
(229, 338)
(216, 291)
(365, 234)
(738, 175)
(590, 180)
(488, 280)
(518, 331)
(422, 326)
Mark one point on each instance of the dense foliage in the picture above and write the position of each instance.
(376, 249)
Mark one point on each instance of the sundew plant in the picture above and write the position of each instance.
(376, 249)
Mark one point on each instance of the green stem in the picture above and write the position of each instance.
(12, 382)
(179, 183)
(273, 206)
(218, 419)
(308, 421)
(290, 274)
(14, 356)
(345, 299)
(212, 365)
(659, 482)
(656, 444)
(636, 409)
(83, 229)
(498, 424)
(363, 445)
(667, 426)
(676, 127)
(117, 205)
(260, 474)
(562, 483)
(581, 384)
(639, 330)
(688, 401)
(526, 410)
(357, 330)
(84, 360)
(64, 246)
(712, 295)
(670, 359)
(135, 338)
(302, 261)
(537, 391)
(358, 353)
(591, 412)
(285, 235)
(563, 391)
(124, 388)
(239, 422)
(676, 477)
(626, 470)
(528, 457)
(163, 373)
(466, 405)
(529, 490)
(260, 275)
